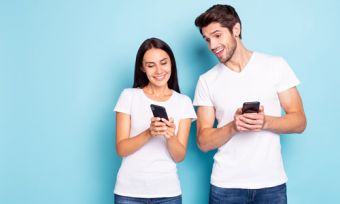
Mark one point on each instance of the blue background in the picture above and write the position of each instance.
(63, 65)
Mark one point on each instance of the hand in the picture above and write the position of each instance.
(157, 127)
(248, 122)
(171, 127)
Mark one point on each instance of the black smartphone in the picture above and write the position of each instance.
(159, 111)
(251, 107)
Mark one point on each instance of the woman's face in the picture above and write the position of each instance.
(157, 67)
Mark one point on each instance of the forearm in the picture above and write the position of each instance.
(131, 145)
(289, 123)
(212, 138)
(176, 149)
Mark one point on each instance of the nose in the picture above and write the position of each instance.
(212, 44)
(158, 69)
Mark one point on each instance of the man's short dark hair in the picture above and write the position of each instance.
(224, 14)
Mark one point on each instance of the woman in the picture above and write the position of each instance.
(151, 146)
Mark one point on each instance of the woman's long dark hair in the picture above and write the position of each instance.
(140, 78)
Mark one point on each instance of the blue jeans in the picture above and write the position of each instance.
(272, 195)
(132, 200)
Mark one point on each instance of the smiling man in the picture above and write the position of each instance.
(248, 165)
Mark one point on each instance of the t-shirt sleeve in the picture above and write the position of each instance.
(202, 96)
(286, 78)
(124, 102)
(189, 111)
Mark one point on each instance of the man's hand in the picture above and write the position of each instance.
(249, 122)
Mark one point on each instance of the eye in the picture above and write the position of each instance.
(150, 65)
(164, 62)
(218, 35)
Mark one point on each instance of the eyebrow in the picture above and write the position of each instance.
(215, 31)
(165, 58)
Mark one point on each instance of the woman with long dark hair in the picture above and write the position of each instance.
(151, 146)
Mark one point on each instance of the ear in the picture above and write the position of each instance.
(237, 30)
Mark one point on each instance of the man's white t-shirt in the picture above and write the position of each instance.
(248, 160)
(150, 172)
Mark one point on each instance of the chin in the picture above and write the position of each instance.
(159, 83)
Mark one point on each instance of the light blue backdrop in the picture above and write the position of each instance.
(64, 63)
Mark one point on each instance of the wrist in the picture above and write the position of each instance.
(233, 130)
(266, 123)
(148, 133)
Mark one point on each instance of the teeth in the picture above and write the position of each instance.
(159, 78)
(219, 50)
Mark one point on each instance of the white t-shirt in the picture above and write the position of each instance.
(248, 160)
(150, 172)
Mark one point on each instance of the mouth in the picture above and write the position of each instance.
(159, 77)
(218, 51)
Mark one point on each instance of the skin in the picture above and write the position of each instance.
(157, 66)
(229, 49)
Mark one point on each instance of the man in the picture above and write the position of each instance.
(248, 165)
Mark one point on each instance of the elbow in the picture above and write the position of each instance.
(203, 148)
(202, 145)
(121, 152)
(302, 125)
(180, 159)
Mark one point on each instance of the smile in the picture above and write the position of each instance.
(159, 77)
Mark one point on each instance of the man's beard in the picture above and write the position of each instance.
(230, 53)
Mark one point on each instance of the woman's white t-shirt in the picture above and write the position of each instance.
(150, 172)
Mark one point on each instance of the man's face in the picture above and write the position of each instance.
(220, 41)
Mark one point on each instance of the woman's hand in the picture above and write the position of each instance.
(170, 128)
(157, 127)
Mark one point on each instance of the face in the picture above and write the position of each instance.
(220, 41)
(157, 67)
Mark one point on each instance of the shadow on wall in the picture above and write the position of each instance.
(197, 59)
(195, 172)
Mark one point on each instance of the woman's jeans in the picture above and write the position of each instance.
(272, 195)
(132, 200)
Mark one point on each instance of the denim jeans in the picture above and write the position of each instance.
(133, 200)
(272, 195)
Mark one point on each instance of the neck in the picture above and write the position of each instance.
(157, 91)
(240, 58)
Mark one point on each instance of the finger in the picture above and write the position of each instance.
(240, 125)
(166, 121)
(238, 111)
(247, 125)
(252, 122)
(160, 129)
(169, 123)
(153, 119)
(253, 116)
(242, 129)
(261, 110)
(159, 124)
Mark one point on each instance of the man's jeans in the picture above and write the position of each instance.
(272, 195)
(132, 200)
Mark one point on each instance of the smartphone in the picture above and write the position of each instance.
(159, 111)
(251, 107)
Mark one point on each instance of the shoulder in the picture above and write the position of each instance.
(212, 73)
(130, 91)
(267, 58)
(182, 97)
